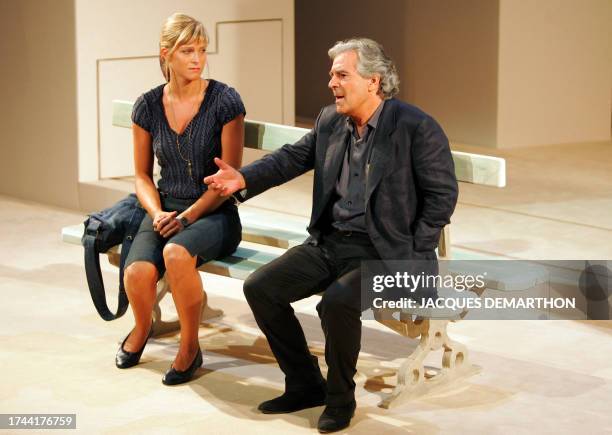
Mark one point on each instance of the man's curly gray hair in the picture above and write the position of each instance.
(371, 60)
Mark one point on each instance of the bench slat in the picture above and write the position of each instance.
(282, 234)
(267, 136)
(122, 113)
(252, 255)
(478, 169)
(238, 270)
(500, 276)
(238, 265)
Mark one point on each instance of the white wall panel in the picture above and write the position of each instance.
(256, 57)
(250, 55)
(122, 79)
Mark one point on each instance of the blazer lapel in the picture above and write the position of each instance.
(325, 182)
(333, 156)
(381, 149)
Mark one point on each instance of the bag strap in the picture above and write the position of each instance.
(125, 249)
(94, 276)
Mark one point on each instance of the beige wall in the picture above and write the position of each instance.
(445, 53)
(554, 71)
(38, 115)
(451, 65)
(334, 21)
(251, 49)
(496, 73)
(53, 89)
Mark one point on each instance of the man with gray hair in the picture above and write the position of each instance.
(384, 187)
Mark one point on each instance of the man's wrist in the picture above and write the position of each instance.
(243, 183)
(239, 196)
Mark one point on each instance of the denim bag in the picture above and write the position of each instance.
(103, 230)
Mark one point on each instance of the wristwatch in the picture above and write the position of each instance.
(184, 222)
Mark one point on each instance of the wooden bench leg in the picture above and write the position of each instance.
(444, 244)
(412, 380)
(161, 327)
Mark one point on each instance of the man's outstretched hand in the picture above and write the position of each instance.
(226, 180)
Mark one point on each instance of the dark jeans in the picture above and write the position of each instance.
(332, 267)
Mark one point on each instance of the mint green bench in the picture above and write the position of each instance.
(284, 231)
(266, 136)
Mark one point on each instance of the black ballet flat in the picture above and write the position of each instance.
(175, 377)
(125, 359)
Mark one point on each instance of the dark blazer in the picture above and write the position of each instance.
(411, 188)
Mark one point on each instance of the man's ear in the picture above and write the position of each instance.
(374, 83)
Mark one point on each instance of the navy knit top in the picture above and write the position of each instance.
(221, 104)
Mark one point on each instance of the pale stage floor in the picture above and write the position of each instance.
(536, 377)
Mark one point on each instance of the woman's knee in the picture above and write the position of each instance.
(177, 257)
(139, 273)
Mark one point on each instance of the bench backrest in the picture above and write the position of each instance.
(266, 136)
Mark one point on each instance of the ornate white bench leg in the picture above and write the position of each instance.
(411, 379)
(455, 360)
(405, 326)
(411, 374)
(209, 313)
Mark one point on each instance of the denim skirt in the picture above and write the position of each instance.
(212, 236)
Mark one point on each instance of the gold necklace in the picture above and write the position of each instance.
(178, 145)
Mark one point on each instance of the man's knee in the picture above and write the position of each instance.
(337, 299)
(254, 286)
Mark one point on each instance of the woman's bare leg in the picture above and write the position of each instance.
(140, 280)
(187, 292)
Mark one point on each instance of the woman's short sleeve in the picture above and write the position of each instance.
(141, 115)
(230, 106)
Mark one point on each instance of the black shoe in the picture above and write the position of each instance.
(335, 418)
(292, 401)
(125, 359)
(175, 377)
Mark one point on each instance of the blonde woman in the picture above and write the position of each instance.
(185, 123)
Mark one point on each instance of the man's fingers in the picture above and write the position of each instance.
(215, 186)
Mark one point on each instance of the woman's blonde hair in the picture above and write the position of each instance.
(178, 30)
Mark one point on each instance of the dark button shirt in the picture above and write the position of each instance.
(348, 212)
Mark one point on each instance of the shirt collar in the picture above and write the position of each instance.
(372, 122)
